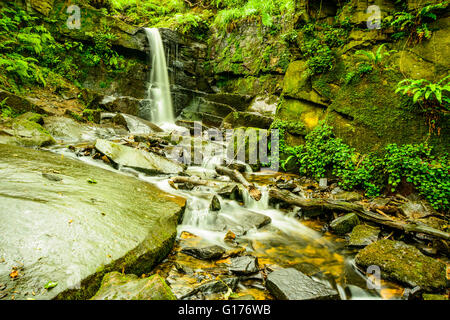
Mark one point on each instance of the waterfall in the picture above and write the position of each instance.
(159, 106)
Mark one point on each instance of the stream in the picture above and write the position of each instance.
(288, 241)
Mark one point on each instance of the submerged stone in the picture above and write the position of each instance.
(117, 286)
(404, 263)
(72, 232)
(290, 284)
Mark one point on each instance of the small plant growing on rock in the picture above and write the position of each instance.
(427, 94)
(430, 97)
(375, 58)
(416, 23)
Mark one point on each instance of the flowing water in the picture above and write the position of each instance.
(158, 107)
(284, 242)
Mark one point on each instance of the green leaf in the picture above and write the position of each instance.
(50, 285)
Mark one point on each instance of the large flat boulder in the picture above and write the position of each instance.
(67, 223)
(291, 284)
(404, 263)
(141, 160)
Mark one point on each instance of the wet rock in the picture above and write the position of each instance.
(416, 210)
(205, 253)
(344, 224)
(117, 286)
(148, 162)
(241, 167)
(247, 220)
(192, 126)
(404, 263)
(230, 236)
(290, 284)
(244, 265)
(363, 235)
(230, 191)
(20, 104)
(26, 133)
(307, 268)
(127, 105)
(33, 117)
(62, 233)
(288, 185)
(347, 196)
(216, 286)
(135, 124)
(215, 204)
(264, 105)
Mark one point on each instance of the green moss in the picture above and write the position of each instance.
(404, 263)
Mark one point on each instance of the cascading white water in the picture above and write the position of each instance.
(158, 92)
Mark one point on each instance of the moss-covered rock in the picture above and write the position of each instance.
(300, 111)
(363, 235)
(248, 119)
(404, 263)
(297, 84)
(26, 133)
(117, 286)
(344, 224)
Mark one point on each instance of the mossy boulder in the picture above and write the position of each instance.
(42, 6)
(117, 286)
(363, 235)
(300, 111)
(250, 119)
(404, 263)
(297, 84)
(26, 133)
(344, 224)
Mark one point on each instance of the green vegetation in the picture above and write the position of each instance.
(317, 46)
(325, 155)
(428, 95)
(415, 24)
(375, 58)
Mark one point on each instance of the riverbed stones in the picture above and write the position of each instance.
(363, 235)
(147, 162)
(344, 224)
(205, 253)
(404, 263)
(244, 265)
(117, 286)
(72, 232)
(290, 284)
